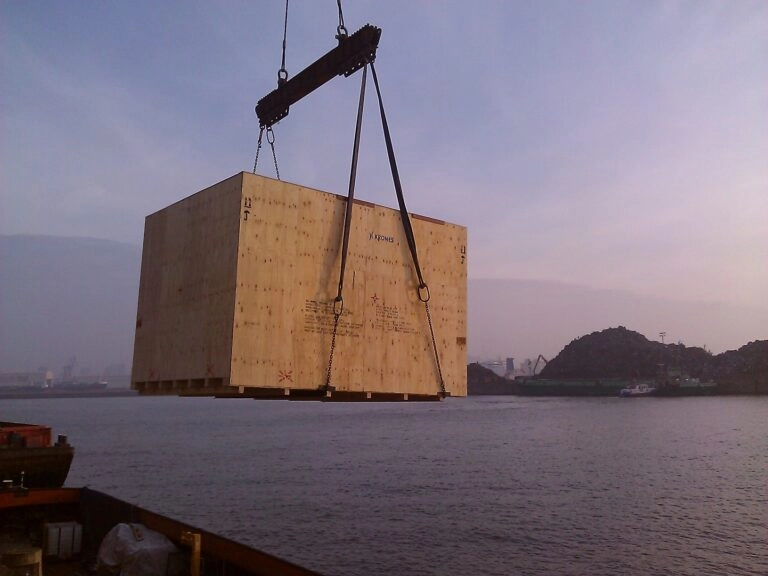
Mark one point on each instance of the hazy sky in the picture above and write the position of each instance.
(619, 145)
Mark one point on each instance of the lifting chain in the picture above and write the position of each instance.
(271, 142)
(258, 149)
(338, 309)
(434, 346)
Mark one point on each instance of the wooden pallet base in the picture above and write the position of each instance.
(162, 389)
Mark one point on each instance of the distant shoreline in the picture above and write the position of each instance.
(52, 393)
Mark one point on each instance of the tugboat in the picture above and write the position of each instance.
(29, 459)
(637, 390)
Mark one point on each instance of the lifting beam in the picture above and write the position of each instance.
(352, 53)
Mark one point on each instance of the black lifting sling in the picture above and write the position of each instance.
(352, 53)
(423, 288)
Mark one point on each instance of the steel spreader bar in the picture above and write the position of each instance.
(352, 53)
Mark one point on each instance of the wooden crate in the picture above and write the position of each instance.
(237, 290)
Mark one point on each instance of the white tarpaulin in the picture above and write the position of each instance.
(135, 550)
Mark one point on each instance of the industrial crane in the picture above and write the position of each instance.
(536, 365)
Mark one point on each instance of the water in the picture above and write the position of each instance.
(493, 485)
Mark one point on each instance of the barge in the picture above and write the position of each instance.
(29, 459)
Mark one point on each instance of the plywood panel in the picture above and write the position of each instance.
(187, 290)
(256, 287)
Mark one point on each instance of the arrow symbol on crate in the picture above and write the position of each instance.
(284, 375)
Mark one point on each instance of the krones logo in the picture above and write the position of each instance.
(381, 238)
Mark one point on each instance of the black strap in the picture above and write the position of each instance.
(398, 187)
(338, 303)
(423, 289)
(352, 179)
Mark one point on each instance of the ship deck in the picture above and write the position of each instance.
(29, 516)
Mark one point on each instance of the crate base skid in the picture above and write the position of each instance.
(237, 293)
(147, 389)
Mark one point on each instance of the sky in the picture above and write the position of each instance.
(614, 145)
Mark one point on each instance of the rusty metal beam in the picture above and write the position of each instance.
(352, 53)
(17, 498)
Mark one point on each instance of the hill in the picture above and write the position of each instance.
(525, 318)
(622, 353)
(744, 370)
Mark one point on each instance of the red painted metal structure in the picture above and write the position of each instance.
(29, 435)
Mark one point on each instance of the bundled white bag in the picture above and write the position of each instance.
(135, 550)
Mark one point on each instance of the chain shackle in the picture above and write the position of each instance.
(424, 298)
(271, 142)
(282, 74)
(341, 30)
(338, 306)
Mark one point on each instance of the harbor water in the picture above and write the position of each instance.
(483, 485)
